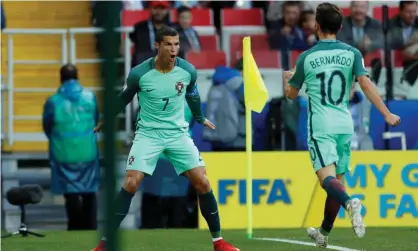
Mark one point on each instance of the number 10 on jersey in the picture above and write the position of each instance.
(327, 87)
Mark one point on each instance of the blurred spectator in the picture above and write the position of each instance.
(286, 34)
(275, 10)
(3, 17)
(69, 117)
(189, 39)
(403, 35)
(143, 35)
(225, 107)
(360, 30)
(307, 22)
(404, 26)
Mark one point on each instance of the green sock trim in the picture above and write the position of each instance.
(323, 232)
(216, 234)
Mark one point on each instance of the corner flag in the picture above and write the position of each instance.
(255, 91)
(256, 96)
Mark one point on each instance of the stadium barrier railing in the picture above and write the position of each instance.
(67, 56)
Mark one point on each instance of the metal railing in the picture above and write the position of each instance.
(66, 57)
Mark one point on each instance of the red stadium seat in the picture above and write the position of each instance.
(206, 59)
(369, 57)
(242, 17)
(397, 58)
(258, 42)
(345, 11)
(264, 58)
(131, 17)
(293, 57)
(209, 42)
(378, 13)
(201, 17)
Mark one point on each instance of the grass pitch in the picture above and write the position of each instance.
(378, 239)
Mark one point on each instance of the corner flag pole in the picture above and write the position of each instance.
(256, 96)
(249, 143)
(248, 138)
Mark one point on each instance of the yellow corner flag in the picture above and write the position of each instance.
(256, 96)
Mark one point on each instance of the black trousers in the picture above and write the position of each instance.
(81, 211)
(163, 212)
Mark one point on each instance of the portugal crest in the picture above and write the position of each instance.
(131, 160)
(179, 88)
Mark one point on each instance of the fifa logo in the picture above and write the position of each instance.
(179, 88)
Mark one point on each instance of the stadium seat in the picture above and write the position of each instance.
(242, 17)
(407, 110)
(201, 17)
(206, 59)
(131, 17)
(258, 42)
(378, 13)
(209, 42)
(345, 11)
(397, 58)
(264, 58)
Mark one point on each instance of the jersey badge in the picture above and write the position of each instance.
(131, 160)
(179, 88)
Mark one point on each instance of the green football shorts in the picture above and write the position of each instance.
(328, 149)
(176, 145)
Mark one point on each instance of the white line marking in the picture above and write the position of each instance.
(305, 243)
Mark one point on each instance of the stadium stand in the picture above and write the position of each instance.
(236, 23)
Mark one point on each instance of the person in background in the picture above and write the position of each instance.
(189, 39)
(226, 108)
(286, 33)
(3, 17)
(403, 36)
(143, 35)
(68, 119)
(165, 199)
(361, 31)
(307, 22)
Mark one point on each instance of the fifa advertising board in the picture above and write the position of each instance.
(286, 193)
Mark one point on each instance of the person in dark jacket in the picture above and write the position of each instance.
(69, 117)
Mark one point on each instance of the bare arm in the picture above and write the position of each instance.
(289, 91)
(371, 93)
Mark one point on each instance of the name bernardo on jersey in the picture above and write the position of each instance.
(327, 60)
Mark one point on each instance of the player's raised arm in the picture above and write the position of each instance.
(125, 96)
(370, 90)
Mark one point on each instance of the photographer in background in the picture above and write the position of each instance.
(69, 117)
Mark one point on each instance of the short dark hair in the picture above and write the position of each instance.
(68, 72)
(329, 17)
(165, 31)
(182, 9)
(403, 3)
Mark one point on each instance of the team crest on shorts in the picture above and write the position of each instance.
(131, 160)
(179, 88)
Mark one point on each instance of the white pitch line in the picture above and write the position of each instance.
(305, 243)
